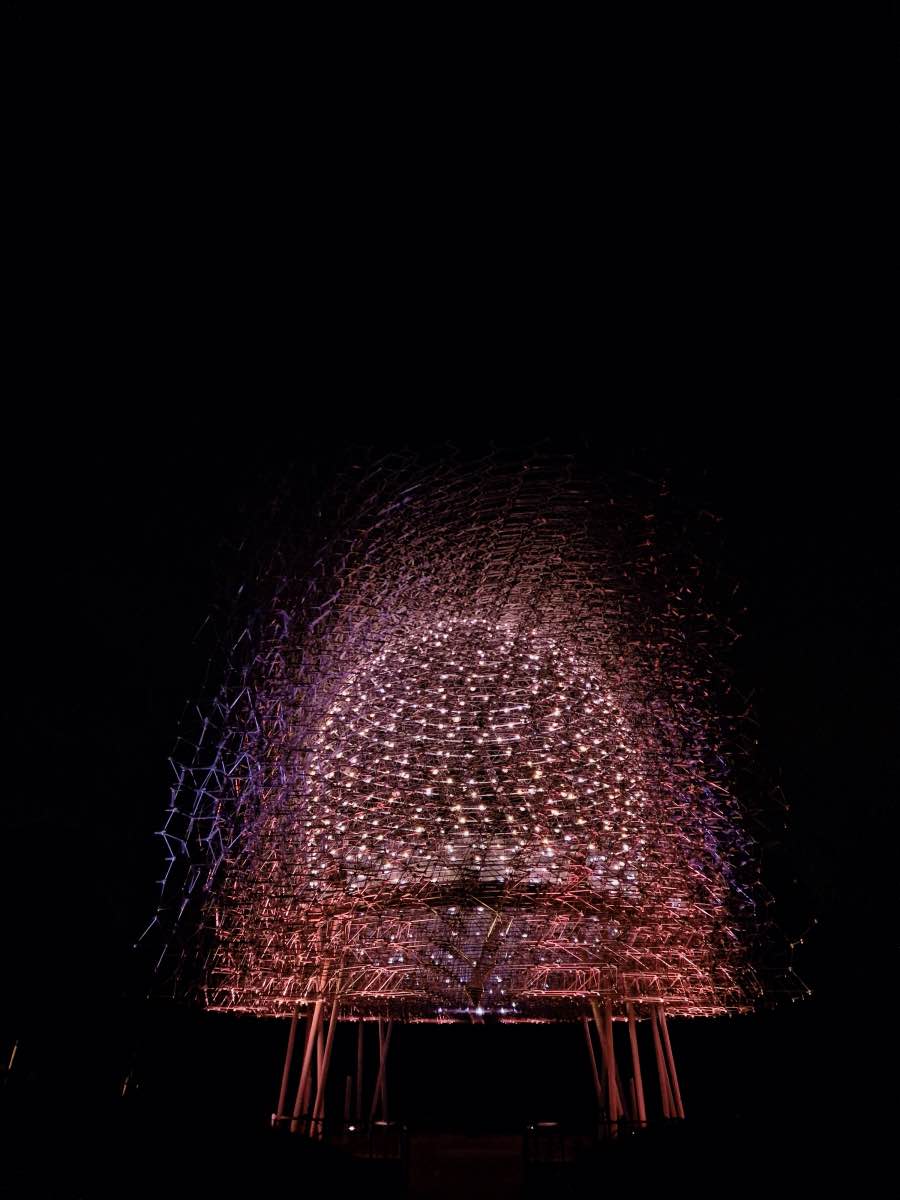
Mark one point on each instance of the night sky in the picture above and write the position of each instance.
(126, 542)
(136, 268)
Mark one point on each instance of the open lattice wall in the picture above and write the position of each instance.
(471, 755)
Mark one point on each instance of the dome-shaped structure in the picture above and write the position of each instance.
(468, 761)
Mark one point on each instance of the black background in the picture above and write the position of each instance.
(170, 239)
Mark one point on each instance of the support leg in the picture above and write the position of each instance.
(384, 1088)
(307, 1090)
(670, 1059)
(307, 1063)
(379, 1092)
(286, 1073)
(612, 1091)
(310, 1091)
(359, 1071)
(668, 1105)
(319, 1108)
(598, 1087)
(640, 1106)
(614, 1071)
(348, 1098)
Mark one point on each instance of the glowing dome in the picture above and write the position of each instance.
(468, 761)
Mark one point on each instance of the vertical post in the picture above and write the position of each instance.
(670, 1058)
(612, 1091)
(304, 1103)
(641, 1108)
(286, 1073)
(598, 1087)
(318, 1120)
(613, 1070)
(379, 1090)
(307, 1063)
(668, 1106)
(359, 1071)
(384, 1091)
(348, 1097)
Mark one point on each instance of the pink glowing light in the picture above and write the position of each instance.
(469, 761)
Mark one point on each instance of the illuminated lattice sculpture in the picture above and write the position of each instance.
(469, 761)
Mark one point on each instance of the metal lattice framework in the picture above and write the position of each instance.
(469, 758)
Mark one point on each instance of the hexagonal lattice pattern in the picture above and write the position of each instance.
(468, 760)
